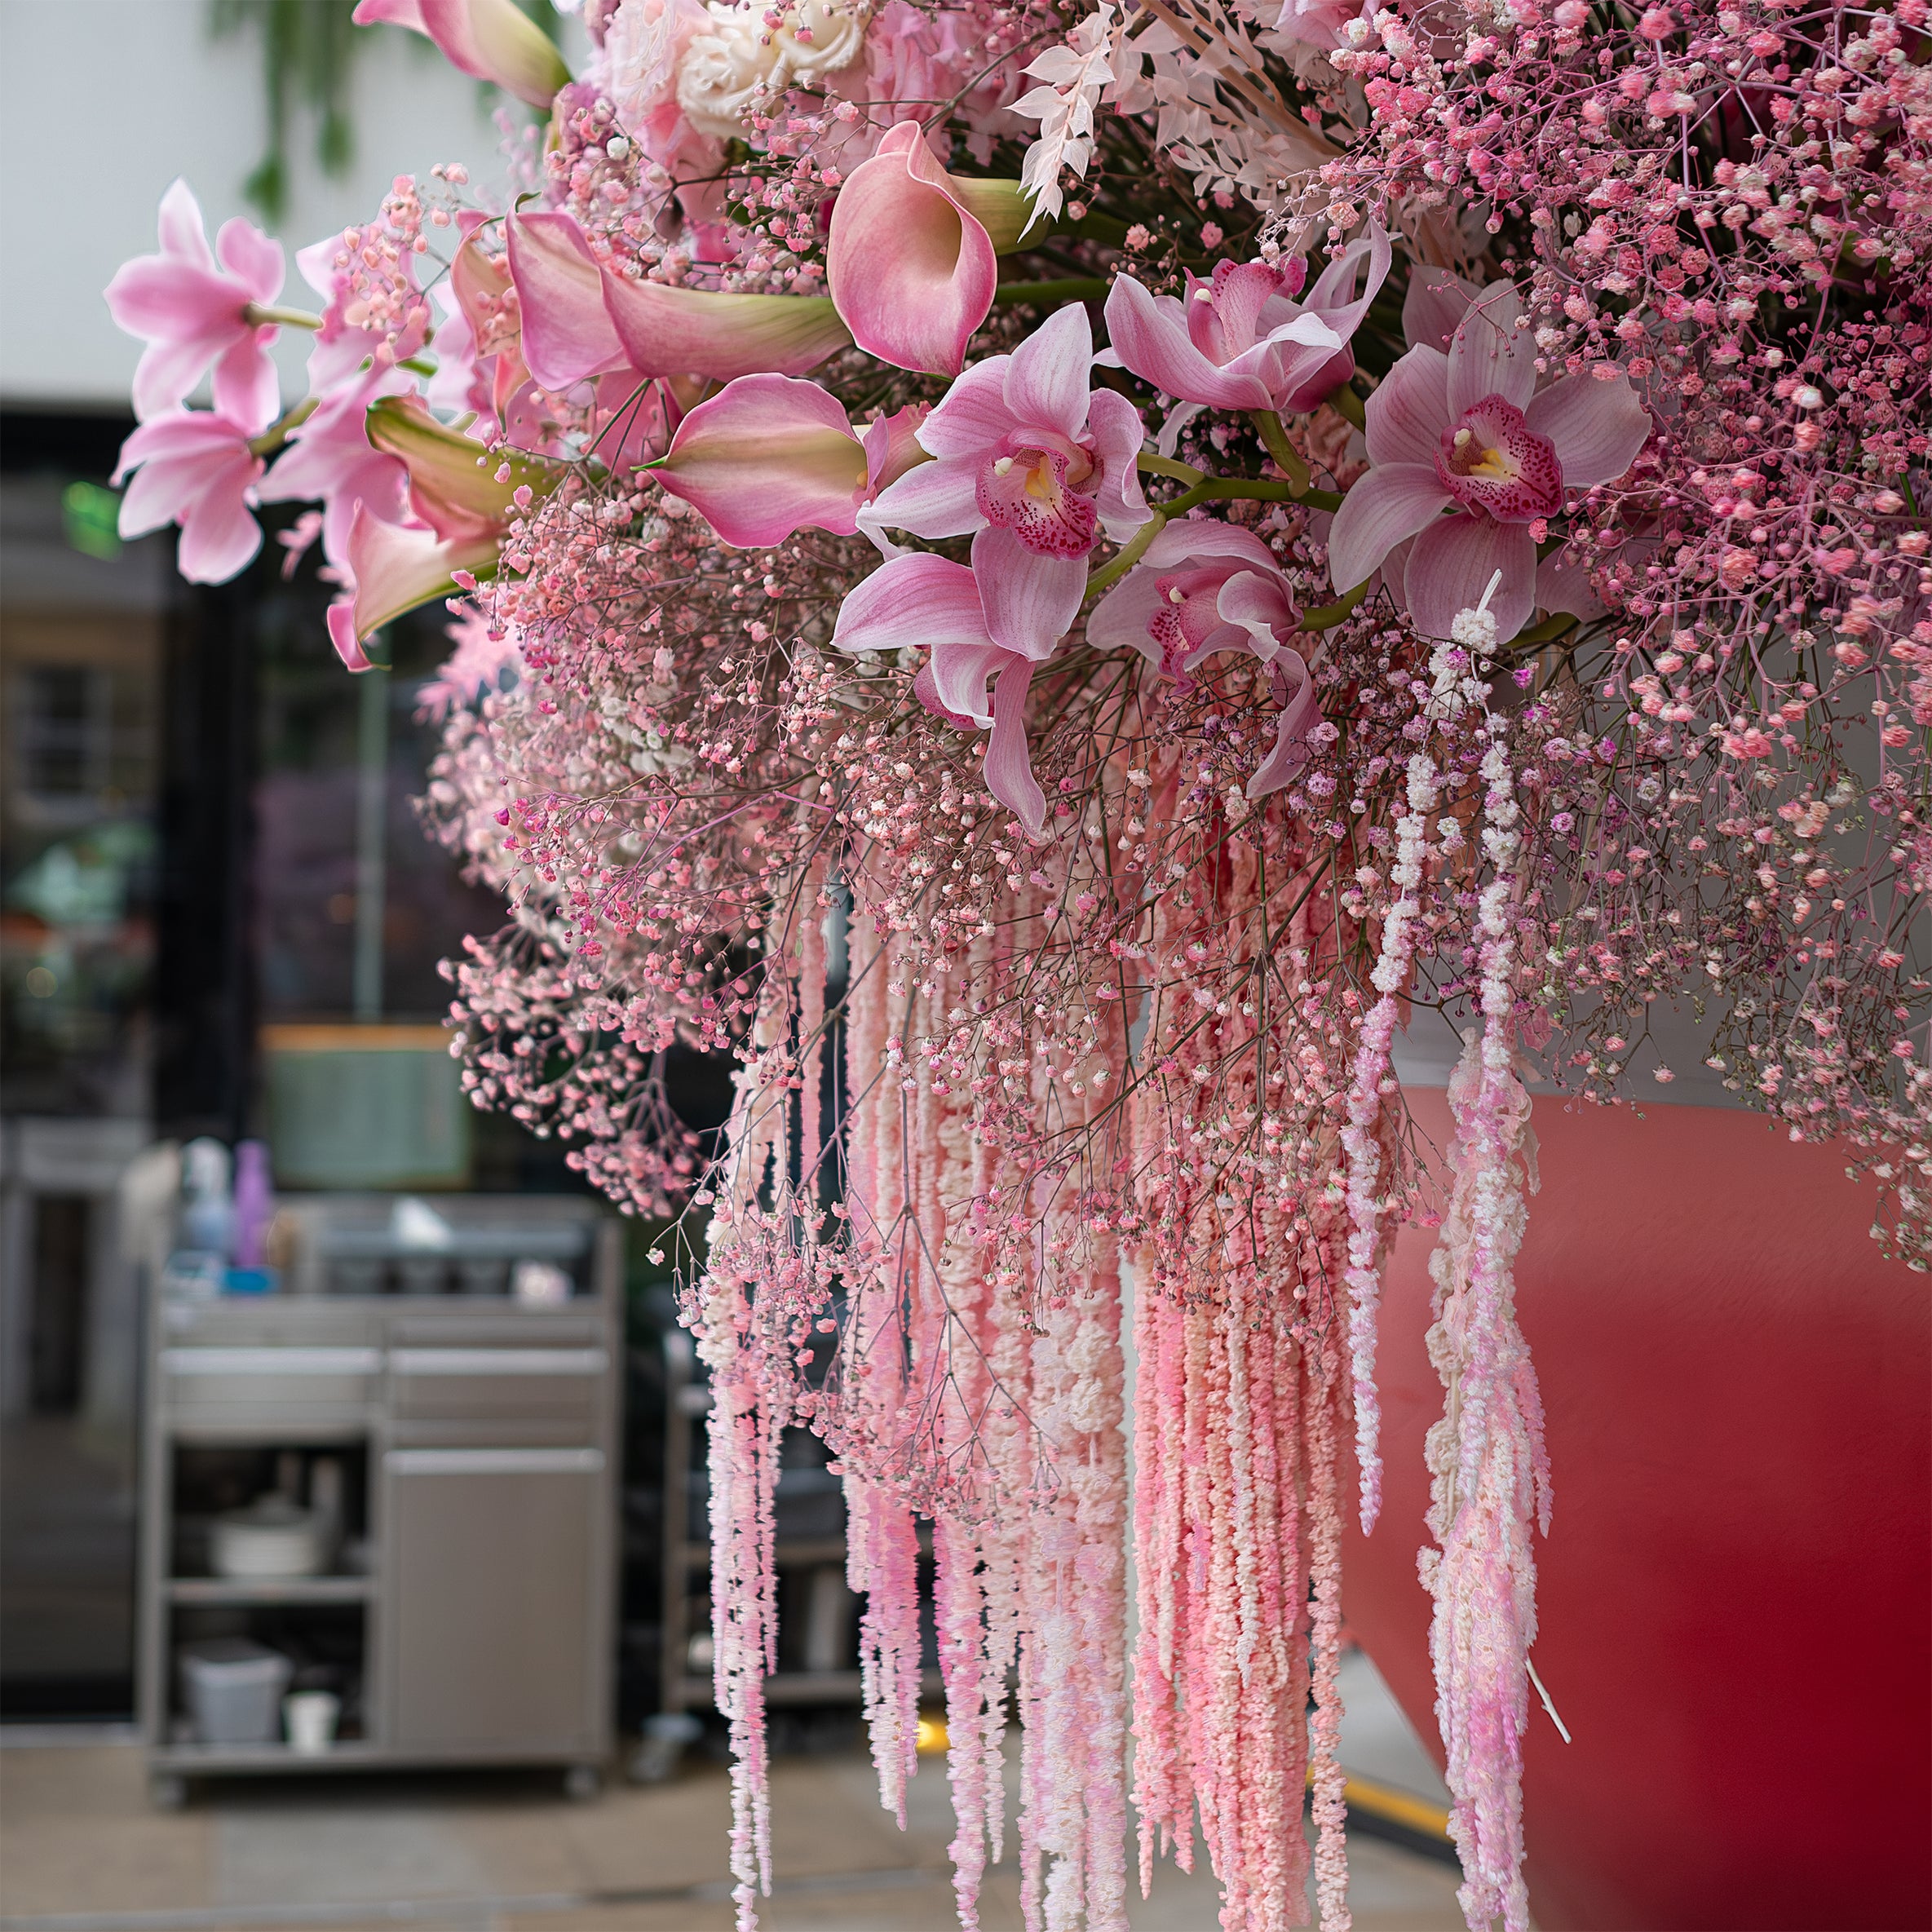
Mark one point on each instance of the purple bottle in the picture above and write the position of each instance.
(254, 1203)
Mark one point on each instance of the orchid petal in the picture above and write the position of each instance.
(1149, 335)
(1489, 355)
(1564, 585)
(1596, 426)
(1123, 619)
(1450, 567)
(669, 331)
(1300, 709)
(1409, 409)
(1049, 375)
(1030, 601)
(1434, 307)
(1184, 540)
(568, 333)
(1009, 769)
(960, 670)
(255, 260)
(918, 601)
(972, 416)
(937, 499)
(1332, 298)
(1390, 503)
(766, 456)
(1261, 606)
(911, 272)
(184, 235)
(220, 535)
(1118, 433)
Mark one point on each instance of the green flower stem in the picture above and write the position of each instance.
(1348, 406)
(1210, 489)
(1072, 287)
(1165, 466)
(1326, 617)
(260, 315)
(277, 434)
(1109, 574)
(1283, 451)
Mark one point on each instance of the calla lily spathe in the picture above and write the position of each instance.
(1468, 432)
(490, 40)
(191, 304)
(1242, 341)
(910, 256)
(769, 455)
(579, 319)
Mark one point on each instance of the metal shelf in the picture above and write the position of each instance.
(353, 1753)
(279, 1590)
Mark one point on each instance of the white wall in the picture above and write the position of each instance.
(103, 102)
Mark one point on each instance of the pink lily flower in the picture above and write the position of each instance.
(910, 256)
(1204, 587)
(192, 308)
(1468, 432)
(926, 602)
(768, 455)
(1035, 466)
(1242, 341)
(328, 460)
(490, 40)
(579, 319)
(194, 468)
(343, 346)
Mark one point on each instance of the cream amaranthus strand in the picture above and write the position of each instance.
(1057, 578)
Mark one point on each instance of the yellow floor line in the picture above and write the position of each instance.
(1395, 1807)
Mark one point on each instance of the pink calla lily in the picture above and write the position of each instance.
(1204, 587)
(910, 260)
(490, 40)
(1242, 341)
(1035, 464)
(453, 482)
(1468, 432)
(768, 455)
(192, 306)
(924, 601)
(194, 468)
(580, 320)
(398, 566)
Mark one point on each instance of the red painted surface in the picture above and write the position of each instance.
(1736, 1595)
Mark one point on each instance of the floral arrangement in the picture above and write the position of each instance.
(1482, 571)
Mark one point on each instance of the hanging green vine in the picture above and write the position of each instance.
(308, 53)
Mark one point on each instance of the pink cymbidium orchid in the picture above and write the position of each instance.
(193, 306)
(1204, 587)
(490, 40)
(928, 602)
(1242, 341)
(1469, 433)
(579, 319)
(910, 256)
(1034, 464)
(768, 455)
(195, 468)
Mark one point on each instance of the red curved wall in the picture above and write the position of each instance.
(1735, 1598)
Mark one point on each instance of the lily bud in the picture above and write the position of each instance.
(492, 40)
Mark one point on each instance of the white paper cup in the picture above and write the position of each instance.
(309, 1716)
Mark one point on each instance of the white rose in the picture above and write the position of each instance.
(721, 75)
(836, 32)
